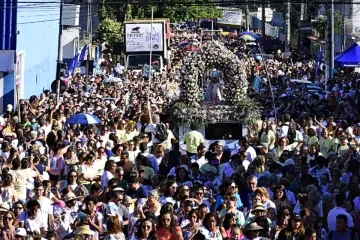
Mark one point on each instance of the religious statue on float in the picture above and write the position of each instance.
(214, 86)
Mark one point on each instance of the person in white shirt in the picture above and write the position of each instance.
(339, 209)
(108, 174)
(46, 209)
(200, 156)
(285, 127)
(250, 151)
(31, 219)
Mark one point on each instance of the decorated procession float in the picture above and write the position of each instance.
(213, 95)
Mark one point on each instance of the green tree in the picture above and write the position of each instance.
(321, 24)
(110, 30)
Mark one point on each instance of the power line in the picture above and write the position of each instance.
(51, 20)
(35, 15)
(199, 2)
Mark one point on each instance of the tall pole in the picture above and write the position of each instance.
(302, 17)
(343, 37)
(263, 18)
(288, 33)
(247, 16)
(60, 53)
(150, 60)
(212, 29)
(87, 69)
(302, 11)
(331, 60)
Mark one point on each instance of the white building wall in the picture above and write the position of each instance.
(70, 41)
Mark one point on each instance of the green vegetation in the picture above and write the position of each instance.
(112, 15)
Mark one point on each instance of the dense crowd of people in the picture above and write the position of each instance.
(294, 176)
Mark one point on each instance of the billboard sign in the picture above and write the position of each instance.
(137, 37)
(230, 17)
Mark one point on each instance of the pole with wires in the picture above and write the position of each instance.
(150, 58)
(60, 54)
(263, 18)
(212, 29)
(247, 16)
(288, 32)
(269, 81)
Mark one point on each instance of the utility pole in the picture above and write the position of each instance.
(263, 18)
(302, 11)
(343, 38)
(288, 33)
(60, 54)
(89, 31)
(247, 16)
(330, 41)
(212, 29)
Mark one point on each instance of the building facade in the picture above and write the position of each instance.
(29, 45)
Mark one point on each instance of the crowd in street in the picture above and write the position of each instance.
(294, 176)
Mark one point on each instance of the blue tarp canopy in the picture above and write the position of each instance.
(252, 34)
(350, 57)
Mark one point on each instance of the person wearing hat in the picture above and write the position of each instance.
(212, 183)
(252, 231)
(84, 231)
(264, 150)
(20, 233)
(254, 213)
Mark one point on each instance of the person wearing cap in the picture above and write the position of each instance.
(212, 183)
(20, 233)
(264, 150)
(294, 229)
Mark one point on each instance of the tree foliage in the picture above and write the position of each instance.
(112, 14)
(322, 23)
(110, 30)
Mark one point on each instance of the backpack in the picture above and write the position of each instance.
(161, 133)
(291, 134)
(331, 233)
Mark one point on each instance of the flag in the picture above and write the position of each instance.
(146, 71)
(318, 61)
(83, 53)
(74, 64)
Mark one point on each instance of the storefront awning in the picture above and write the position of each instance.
(7, 60)
(316, 39)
